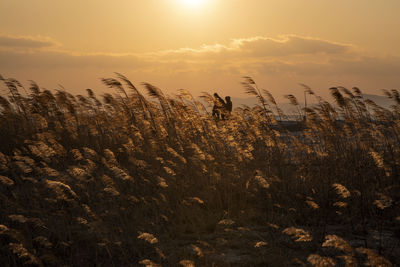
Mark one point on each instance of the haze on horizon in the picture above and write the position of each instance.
(203, 45)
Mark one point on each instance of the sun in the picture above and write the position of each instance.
(193, 3)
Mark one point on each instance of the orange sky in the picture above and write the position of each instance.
(204, 46)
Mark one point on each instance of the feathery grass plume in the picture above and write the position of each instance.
(12, 88)
(76, 172)
(83, 101)
(23, 167)
(176, 155)
(378, 159)
(16, 98)
(43, 242)
(60, 190)
(312, 204)
(338, 243)
(294, 102)
(167, 110)
(34, 87)
(226, 222)
(346, 92)
(270, 97)
(76, 155)
(373, 258)
(298, 234)
(260, 244)
(169, 171)
(39, 122)
(354, 99)
(340, 204)
(273, 226)
(311, 115)
(110, 157)
(115, 84)
(181, 108)
(161, 182)
(90, 93)
(90, 153)
(197, 250)
(130, 84)
(187, 263)
(319, 261)
(4, 162)
(5, 106)
(292, 99)
(143, 102)
(272, 100)
(383, 202)
(5, 181)
(149, 263)
(197, 105)
(207, 98)
(341, 190)
(307, 89)
(111, 190)
(50, 172)
(327, 112)
(196, 200)
(148, 238)
(197, 153)
(67, 103)
(24, 255)
(387, 93)
(96, 103)
(15, 81)
(357, 92)
(338, 97)
(155, 92)
(109, 100)
(106, 180)
(396, 96)
(350, 261)
(251, 88)
(41, 150)
(3, 229)
(260, 180)
(121, 174)
(18, 218)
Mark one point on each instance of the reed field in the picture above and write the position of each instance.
(135, 177)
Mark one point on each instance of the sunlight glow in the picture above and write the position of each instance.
(193, 3)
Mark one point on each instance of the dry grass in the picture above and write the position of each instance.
(130, 180)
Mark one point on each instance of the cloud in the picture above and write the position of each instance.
(42, 52)
(287, 60)
(288, 45)
(26, 42)
(260, 46)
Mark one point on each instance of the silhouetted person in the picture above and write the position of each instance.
(227, 109)
(219, 106)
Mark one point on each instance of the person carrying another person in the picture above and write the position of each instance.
(221, 109)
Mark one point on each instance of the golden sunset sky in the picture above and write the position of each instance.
(203, 45)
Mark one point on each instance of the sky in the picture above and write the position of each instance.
(203, 45)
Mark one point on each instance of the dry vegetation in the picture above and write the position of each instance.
(129, 180)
